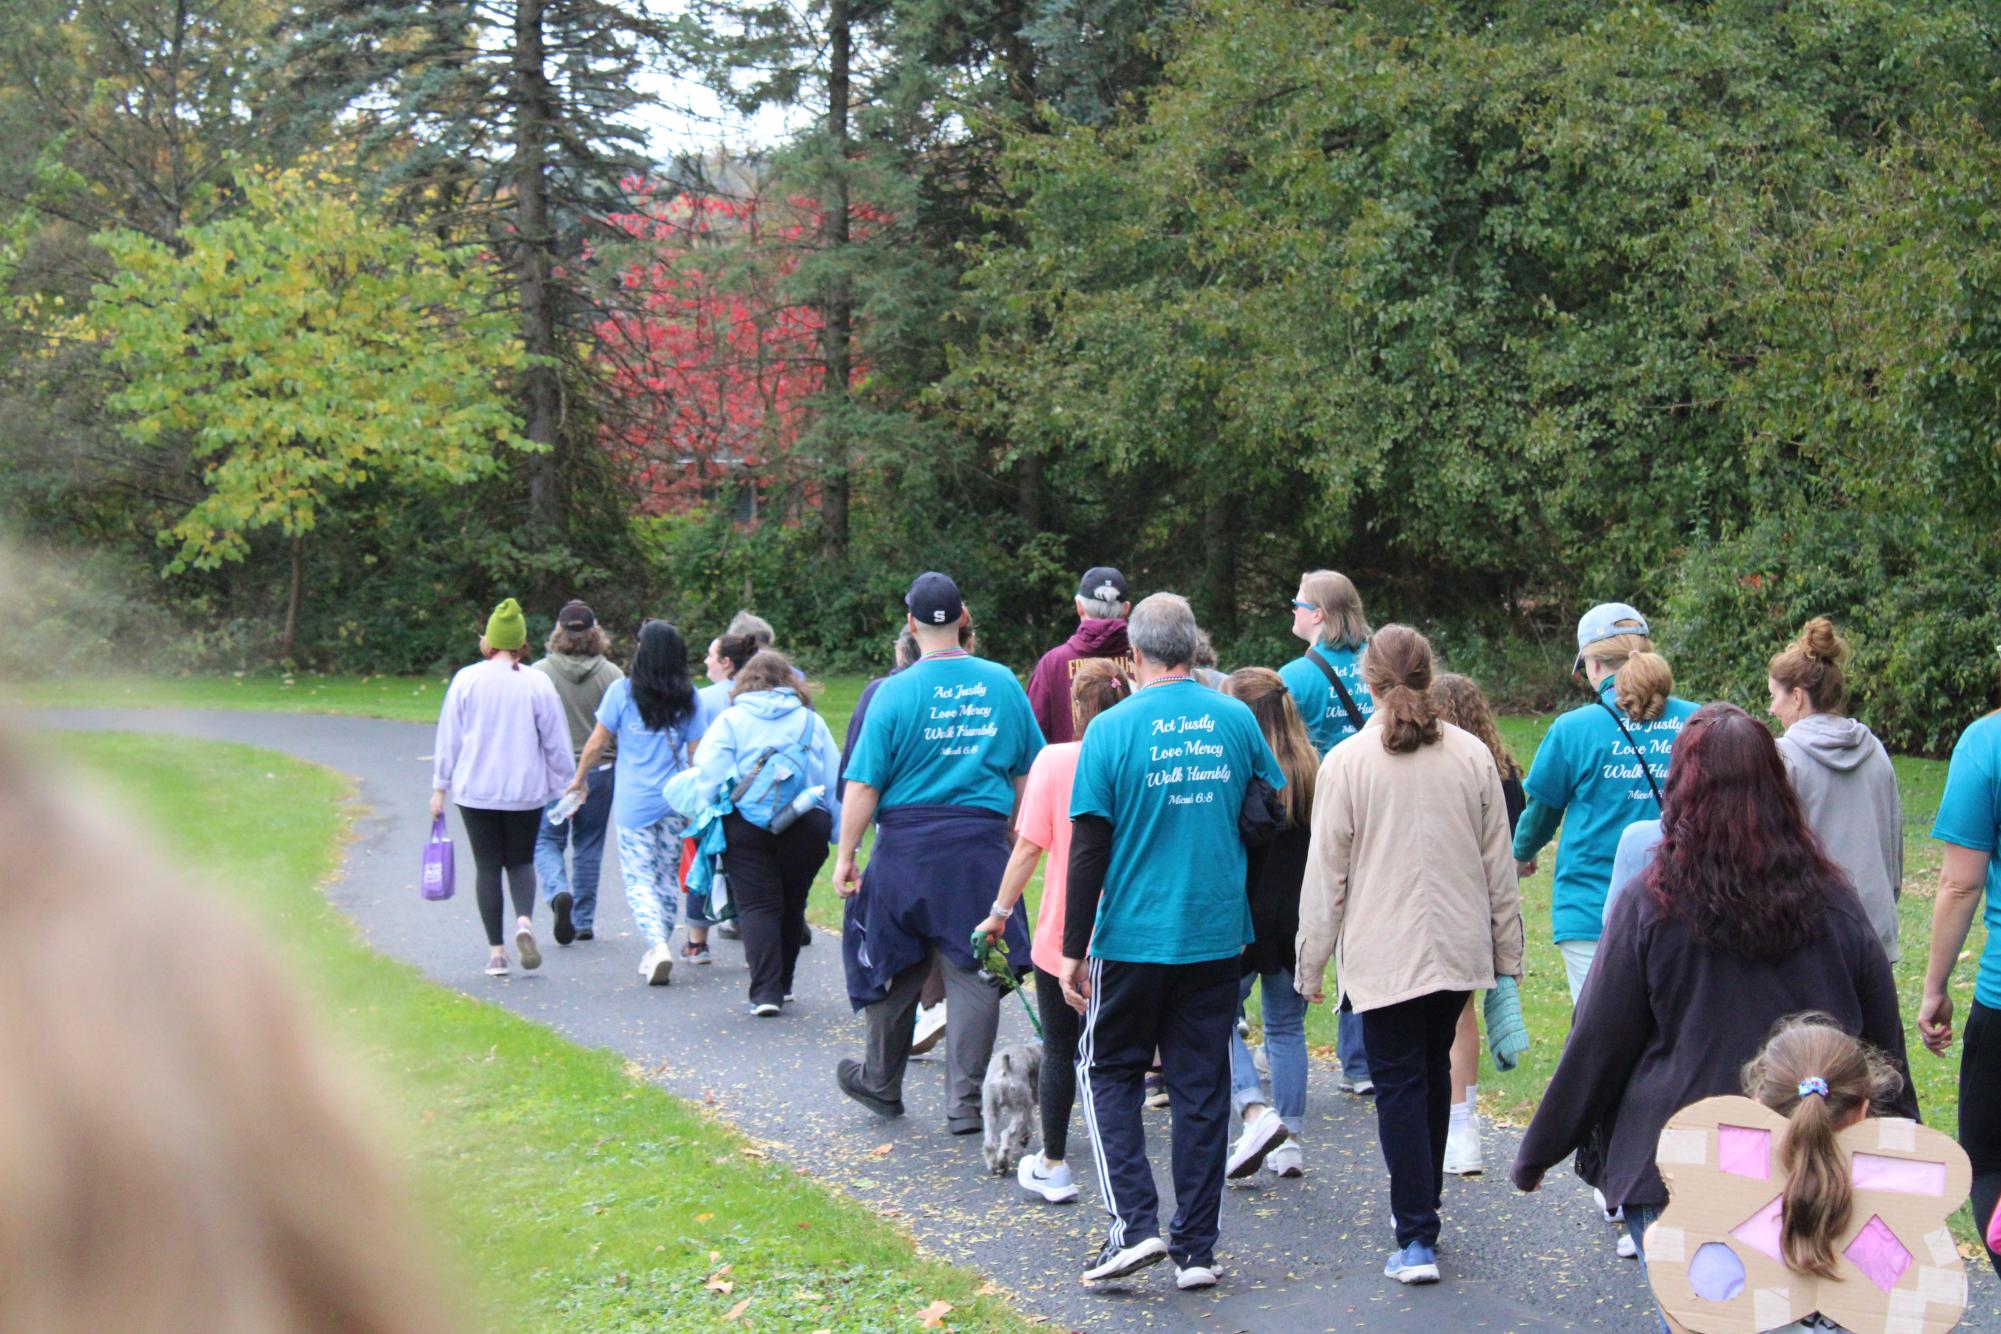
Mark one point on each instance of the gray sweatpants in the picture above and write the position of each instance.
(973, 1004)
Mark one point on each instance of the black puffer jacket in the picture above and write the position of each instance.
(1272, 878)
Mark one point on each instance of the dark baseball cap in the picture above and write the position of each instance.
(576, 615)
(934, 599)
(1102, 583)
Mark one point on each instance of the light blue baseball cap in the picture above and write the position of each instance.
(1603, 622)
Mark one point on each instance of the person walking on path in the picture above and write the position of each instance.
(1846, 784)
(1969, 824)
(1458, 701)
(938, 769)
(655, 718)
(577, 666)
(501, 752)
(1410, 888)
(726, 656)
(904, 656)
(1334, 702)
(1740, 921)
(1600, 768)
(770, 745)
(1155, 921)
(1101, 633)
(1273, 878)
(1044, 826)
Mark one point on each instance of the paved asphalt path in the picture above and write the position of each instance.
(1296, 1255)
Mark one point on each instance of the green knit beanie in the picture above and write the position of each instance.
(506, 628)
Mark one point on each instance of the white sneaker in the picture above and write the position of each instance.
(1287, 1160)
(1193, 1277)
(930, 1028)
(496, 966)
(1462, 1149)
(1117, 1264)
(524, 944)
(1053, 1184)
(1627, 1250)
(1260, 1137)
(1614, 1216)
(658, 965)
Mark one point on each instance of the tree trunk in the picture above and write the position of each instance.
(1028, 491)
(535, 250)
(1219, 576)
(290, 641)
(837, 313)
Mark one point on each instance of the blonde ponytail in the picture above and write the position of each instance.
(1641, 678)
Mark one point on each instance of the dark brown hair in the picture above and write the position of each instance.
(767, 669)
(1819, 1192)
(1459, 702)
(1263, 690)
(1397, 667)
(589, 642)
(1096, 686)
(1813, 663)
(736, 650)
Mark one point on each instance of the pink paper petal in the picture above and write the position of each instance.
(1761, 1230)
(1901, 1175)
(1744, 1152)
(1878, 1254)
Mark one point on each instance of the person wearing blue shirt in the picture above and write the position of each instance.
(1969, 824)
(1600, 768)
(1155, 923)
(938, 768)
(1327, 614)
(655, 717)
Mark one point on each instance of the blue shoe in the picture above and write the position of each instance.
(1415, 1263)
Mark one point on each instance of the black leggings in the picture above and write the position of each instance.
(770, 876)
(1980, 1111)
(502, 840)
(1057, 1091)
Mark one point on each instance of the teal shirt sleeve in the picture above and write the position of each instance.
(1970, 812)
(870, 762)
(1536, 827)
(1091, 789)
(1552, 776)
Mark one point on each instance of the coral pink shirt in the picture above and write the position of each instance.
(1045, 822)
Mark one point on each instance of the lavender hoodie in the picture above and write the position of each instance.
(502, 743)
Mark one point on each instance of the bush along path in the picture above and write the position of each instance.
(1296, 1255)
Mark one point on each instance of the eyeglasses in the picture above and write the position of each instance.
(1304, 606)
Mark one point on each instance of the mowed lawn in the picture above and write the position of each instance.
(571, 1193)
(1546, 1000)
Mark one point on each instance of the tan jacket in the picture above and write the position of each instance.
(1410, 880)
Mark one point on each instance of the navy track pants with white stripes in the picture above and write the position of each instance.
(1187, 1011)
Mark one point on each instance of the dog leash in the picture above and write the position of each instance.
(992, 956)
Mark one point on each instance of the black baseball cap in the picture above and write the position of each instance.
(934, 599)
(576, 615)
(1102, 583)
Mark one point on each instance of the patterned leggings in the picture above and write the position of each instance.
(649, 857)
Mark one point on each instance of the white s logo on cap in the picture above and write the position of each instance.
(1105, 592)
(938, 617)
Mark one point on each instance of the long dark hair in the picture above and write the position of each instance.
(661, 689)
(1737, 861)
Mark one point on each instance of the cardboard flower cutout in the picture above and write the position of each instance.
(1713, 1255)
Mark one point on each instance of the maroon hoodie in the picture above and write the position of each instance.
(1049, 687)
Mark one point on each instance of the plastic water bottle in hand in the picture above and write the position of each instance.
(572, 799)
(797, 807)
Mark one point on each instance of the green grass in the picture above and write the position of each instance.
(574, 1194)
(1545, 998)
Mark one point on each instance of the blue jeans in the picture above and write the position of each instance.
(1348, 1045)
(583, 835)
(1640, 1217)
(1285, 1047)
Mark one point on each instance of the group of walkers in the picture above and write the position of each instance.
(1206, 835)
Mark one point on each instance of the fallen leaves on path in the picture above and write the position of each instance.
(881, 1151)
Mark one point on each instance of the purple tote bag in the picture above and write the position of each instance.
(437, 881)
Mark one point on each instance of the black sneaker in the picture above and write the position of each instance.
(1113, 1263)
(848, 1074)
(584, 933)
(806, 936)
(560, 905)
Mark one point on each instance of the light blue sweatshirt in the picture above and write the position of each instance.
(773, 718)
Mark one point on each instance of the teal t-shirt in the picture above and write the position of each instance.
(1168, 768)
(1585, 769)
(954, 730)
(1326, 718)
(1969, 817)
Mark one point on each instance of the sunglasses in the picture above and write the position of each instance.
(1304, 606)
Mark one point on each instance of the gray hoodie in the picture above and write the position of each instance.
(581, 683)
(1848, 792)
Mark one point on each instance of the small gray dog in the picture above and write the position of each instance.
(1008, 1104)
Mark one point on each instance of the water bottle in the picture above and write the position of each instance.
(567, 807)
(797, 807)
